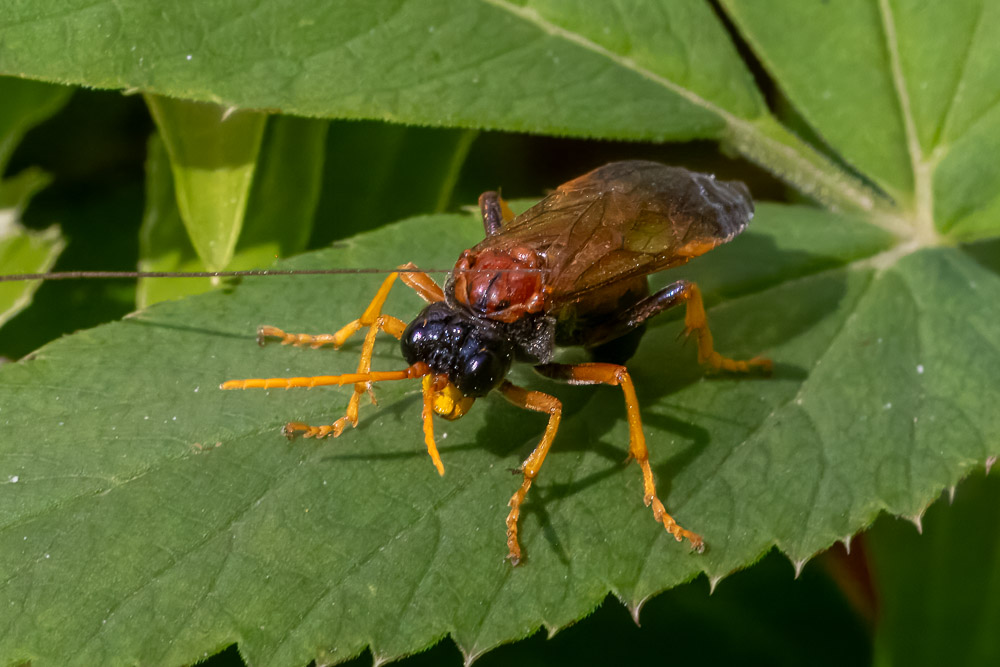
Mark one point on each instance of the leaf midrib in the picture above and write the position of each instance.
(921, 167)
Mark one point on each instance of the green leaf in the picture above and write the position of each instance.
(917, 113)
(163, 241)
(123, 458)
(213, 154)
(940, 587)
(378, 173)
(285, 191)
(25, 104)
(279, 216)
(23, 250)
(317, 549)
(864, 125)
(331, 60)
(649, 70)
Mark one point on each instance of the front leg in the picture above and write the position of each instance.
(376, 321)
(539, 402)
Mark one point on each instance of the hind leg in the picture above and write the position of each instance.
(695, 321)
(495, 212)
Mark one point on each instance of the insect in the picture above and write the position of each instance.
(570, 271)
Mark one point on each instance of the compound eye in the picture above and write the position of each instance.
(424, 334)
(482, 372)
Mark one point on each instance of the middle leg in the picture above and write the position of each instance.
(695, 321)
(613, 374)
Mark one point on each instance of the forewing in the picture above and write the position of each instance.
(624, 220)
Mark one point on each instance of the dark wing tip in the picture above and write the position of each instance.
(720, 209)
(709, 208)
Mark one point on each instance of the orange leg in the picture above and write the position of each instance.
(365, 379)
(695, 321)
(428, 290)
(421, 283)
(427, 414)
(618, 375)
(539, 402)
(375, 321)
(417, 370)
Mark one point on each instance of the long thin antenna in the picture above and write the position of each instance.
(72, 275)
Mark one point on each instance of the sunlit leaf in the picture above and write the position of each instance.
(213, 154)
(25, 104)
(23, 250)
(643, 70)
(279, 216)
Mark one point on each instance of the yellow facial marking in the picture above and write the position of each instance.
(450, 403)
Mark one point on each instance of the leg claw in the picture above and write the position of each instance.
(674, 528)
(266, 332)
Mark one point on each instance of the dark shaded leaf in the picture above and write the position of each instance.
(939, 587)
